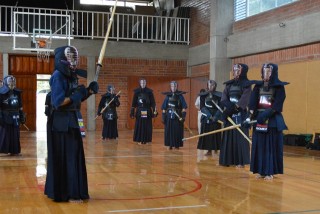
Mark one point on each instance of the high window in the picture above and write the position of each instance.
(246, 8)
(123, 3)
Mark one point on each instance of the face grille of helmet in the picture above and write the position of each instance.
(72, 56)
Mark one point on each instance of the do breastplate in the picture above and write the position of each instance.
(174, 102)
(265, 98)
(235, 93)
(11, 103)
(108, 100)
(73, 85)
(208, 101)
(143, 100)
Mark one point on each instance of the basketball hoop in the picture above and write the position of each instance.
(43, 46)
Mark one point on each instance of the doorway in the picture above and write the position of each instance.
(43, 88)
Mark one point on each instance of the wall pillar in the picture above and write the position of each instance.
(5, 61)
(91, 101)
(220, 27)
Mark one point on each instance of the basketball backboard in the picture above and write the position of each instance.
(40, 32)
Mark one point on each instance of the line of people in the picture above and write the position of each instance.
(243, 107)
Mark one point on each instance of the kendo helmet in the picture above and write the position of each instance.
(110, 88)
(142, 82)
(212, 85)
(10, 82)
(66, 59)
(72, 56)
(266, 72)
(240, 71)
(173, 86)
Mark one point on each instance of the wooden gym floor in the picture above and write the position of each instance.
(128, 178)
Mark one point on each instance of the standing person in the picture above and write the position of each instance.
(235, 148)
(66, 169)
(197, 105)
(11, 116)
(266, 104)
(173, 116)
(143, 108)
(208, 121)
(108, 103)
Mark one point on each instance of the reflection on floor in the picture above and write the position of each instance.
(125, 177)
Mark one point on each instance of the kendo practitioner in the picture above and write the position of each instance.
(11, 116)
(173, 116)
(235, 148)
(143, 109)
(66, 170)
(265, 106)
(108, 104)
(209, 122)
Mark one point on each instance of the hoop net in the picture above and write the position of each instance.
(43, 46)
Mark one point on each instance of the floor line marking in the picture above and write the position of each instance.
(157, 208)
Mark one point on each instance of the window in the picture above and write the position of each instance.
(124, 3)
(246, 8)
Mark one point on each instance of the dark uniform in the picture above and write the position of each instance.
(235, 148)
(266, 104)
(143, 109)
(173, 116)
(208, 121)
(66, 170)
(11, 116)
(109, 115)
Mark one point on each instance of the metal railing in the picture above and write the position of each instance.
(93, 25)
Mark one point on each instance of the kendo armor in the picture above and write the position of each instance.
(109, 113)
(72, 87)
(10, 109)
(174, 106)
(235, 93)
(209, 104)
(174, 102)
(143, 100)
(11, 103)
(266, 98)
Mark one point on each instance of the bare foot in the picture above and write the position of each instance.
(259, 176)
(268, 178)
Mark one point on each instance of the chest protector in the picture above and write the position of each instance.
(174, 102)
(208, 101)
(109, 113)
(108, 99)
(235, 93)
(143, 100)
(266, 98)
(73, 84)
(72, 87)
(11, 103)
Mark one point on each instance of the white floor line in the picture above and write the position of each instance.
(159, 208)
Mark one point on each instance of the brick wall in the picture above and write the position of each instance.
(287, 12)
(199, 22)
(290, 55)
(117, 70)
(200, 70)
